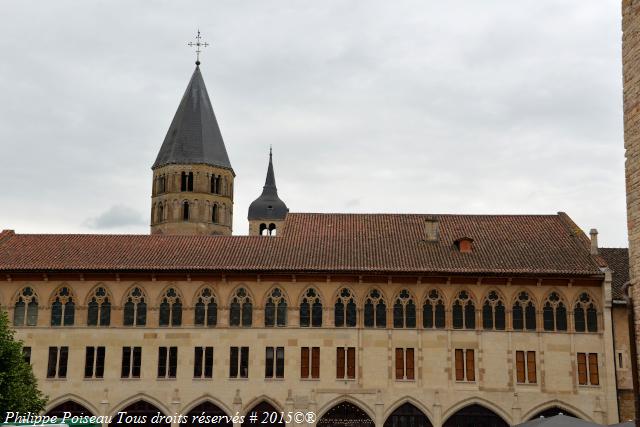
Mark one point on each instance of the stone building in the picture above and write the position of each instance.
(360, 319)
(631, 100)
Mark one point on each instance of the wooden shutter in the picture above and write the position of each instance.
(340, 362)
(582, 368)
(459, 365)
(471, 366)
(594, 378)
(399, 363)
(532, 376)
(410, 364)
(351, 362)
(520, 375)
(315, 362)
(304, 362)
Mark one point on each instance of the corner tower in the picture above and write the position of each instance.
(192, 190)
(267, 212)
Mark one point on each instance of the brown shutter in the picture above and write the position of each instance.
(582, 368)
(340, 362)
(471, 366)
(531, 367)
(304, 362)
(399, 363)
(594, 378)
(410, 364)
(459, 365)
(520, 376)
(315, 362)
(351, 362)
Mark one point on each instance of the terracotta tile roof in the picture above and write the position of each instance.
(618, 261)
(383, 243)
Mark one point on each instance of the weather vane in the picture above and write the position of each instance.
(198, 44)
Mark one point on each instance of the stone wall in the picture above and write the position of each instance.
(631, 99)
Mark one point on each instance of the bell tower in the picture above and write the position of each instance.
(192, 191)
(267, 213)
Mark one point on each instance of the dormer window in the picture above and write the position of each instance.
(464, 244)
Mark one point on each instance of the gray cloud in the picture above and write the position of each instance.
(116, 217)
(408, 106)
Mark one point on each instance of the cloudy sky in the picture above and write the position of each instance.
(371, 106)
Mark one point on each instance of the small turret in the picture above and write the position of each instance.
(267, 212)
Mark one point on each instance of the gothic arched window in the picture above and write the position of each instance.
(464, 311)
(275, 309)
(206, 309)
(375, 310)
(585, 314)
(523, 313)
(26, 306)
(99, 308)
(554, 313)
(170, 308)
(345, 309)
(311, 309)
(63, 308)
(404, 311)
(135, 308)
(493, 312)
(240, 309)
(433, 311)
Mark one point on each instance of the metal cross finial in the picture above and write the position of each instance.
(198, 44)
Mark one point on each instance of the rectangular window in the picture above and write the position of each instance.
(345, 362)
(594, 378)
(167, 362)
(588, 369)
(279, 362)
(465, 365)
(532, 375)
(131, 361)
(94, 362)
(53, 362)
(203, 362)
(274, 362)
(405, 364)
(310, 362)
(526, 367)
(268, 368)
(57, 363)
(239, 362)
(26, 355)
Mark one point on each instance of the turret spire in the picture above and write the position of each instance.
(268, 210)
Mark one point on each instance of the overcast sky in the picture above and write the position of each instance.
(511, 107)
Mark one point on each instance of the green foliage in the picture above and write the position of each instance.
(18, 386)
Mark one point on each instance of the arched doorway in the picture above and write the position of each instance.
(75, 408)
(265, 413)
(475, 416)
(207, 409)
(141, 414)
(552, 412)
(345, 414)
(407, 415)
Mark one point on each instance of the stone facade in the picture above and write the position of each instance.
(631, 99)
(375, 388)
(210, 203)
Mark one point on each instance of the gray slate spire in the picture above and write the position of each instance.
(194, 136)
(268, 205)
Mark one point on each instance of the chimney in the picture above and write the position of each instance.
(431, 228)
(594, 241)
